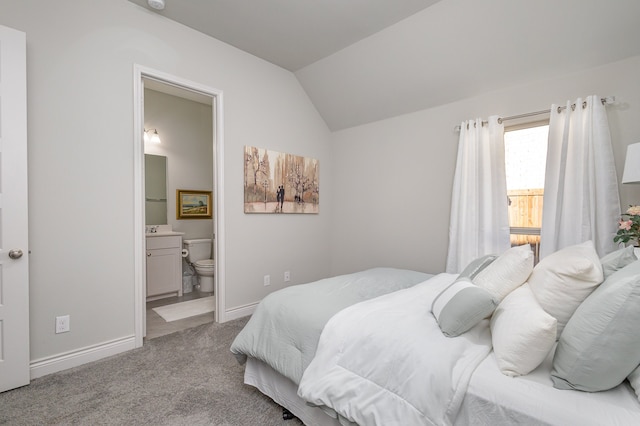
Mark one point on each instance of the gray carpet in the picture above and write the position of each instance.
(184, 378)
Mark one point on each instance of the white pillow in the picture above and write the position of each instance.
(508, 272)
(562, 280)
(522, 333)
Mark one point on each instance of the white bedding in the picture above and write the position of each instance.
(494, 399)
(385, 362)
(286, 326)
(409, 374)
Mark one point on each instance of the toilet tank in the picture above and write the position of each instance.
(198, 249)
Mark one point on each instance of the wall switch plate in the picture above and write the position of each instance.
(63, 324)
(267, 280)
(287, 276)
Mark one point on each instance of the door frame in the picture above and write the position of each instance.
(139, 73)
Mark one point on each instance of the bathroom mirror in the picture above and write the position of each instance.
(155, 187)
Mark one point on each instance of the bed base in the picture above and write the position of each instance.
(287, 415)
(284, 392)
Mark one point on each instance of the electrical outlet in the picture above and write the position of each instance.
(287, 276)
(63, 324)
(267, 280)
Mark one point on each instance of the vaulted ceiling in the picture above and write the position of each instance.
(366, 60)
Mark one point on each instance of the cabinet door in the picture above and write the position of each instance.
(163, 272)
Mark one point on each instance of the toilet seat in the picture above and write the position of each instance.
(205, 267)
(206, 263)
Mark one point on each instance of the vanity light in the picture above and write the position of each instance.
(154, 138)
(631, 172)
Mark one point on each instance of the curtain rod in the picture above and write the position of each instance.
(605, 101)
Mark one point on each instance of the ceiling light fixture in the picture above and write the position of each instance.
(154, 138)
(156, 4)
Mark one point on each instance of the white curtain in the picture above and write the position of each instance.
(581, 200)
(479, 207)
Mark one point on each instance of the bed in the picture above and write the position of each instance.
(284, 330)
(380, 357)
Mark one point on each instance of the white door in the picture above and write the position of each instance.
(14, 257)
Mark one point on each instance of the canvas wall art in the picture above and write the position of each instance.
(275, 182)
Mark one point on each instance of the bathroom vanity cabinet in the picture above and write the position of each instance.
(164, 266)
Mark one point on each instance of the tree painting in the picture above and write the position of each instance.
(275, 182)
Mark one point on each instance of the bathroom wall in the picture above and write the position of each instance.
(185, 128)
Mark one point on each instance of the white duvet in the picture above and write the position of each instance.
(386, 362)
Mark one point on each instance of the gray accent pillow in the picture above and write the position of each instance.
(600, 344)
(477, 265)
(461, 306)
(617, 260)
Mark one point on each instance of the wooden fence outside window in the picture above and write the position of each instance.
(525, 217)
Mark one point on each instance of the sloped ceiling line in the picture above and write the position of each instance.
(374, 59)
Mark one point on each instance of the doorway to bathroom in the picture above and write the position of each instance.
(178, 160)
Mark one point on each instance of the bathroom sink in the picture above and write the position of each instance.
(161, 231)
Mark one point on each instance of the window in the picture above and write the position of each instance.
(525, 159)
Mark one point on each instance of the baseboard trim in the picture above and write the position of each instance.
(240, 311)
(53, 364)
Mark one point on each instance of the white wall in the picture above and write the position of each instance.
(456, 49)
(80, 60)
(185, 128)
(387, 184)
(393, 178)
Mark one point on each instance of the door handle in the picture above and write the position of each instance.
(15, 254)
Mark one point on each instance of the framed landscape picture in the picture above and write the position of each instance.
(192, 204)
(275, 182)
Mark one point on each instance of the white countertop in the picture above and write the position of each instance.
(161, 231)
(163, 234)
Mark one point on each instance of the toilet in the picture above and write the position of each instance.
(199, 256)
